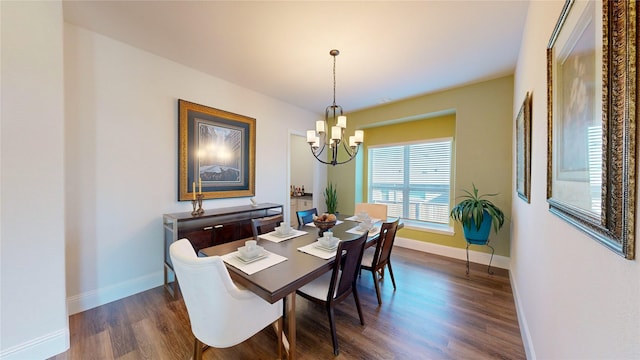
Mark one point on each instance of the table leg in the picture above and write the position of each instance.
(291, 324)
(170, 287)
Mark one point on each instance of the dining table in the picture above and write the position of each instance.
(281, 279)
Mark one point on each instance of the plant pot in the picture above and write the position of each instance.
(479, 236)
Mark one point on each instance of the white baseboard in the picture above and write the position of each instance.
(455, 253)
(522, 321)
(95, 298)
(42, 347)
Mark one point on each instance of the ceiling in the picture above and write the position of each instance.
(389, 50)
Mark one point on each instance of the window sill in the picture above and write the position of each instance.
(433, 228)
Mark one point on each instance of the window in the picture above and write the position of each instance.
(414, 180)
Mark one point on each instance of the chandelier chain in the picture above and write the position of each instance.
(334, 81)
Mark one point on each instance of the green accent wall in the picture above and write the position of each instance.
(482, 114)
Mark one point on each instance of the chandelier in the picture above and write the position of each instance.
(320, 138)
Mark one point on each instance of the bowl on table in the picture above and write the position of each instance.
(328, 240)
(283, 230)
(250, 250)
(362, 216)
(365, 225)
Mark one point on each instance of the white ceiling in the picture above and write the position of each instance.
(389, 50)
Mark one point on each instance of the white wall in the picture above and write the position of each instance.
(33, 321)
(121, 156)
(576, 299)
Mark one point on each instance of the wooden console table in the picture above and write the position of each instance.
(214, 227)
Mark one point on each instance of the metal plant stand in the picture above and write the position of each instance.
(490, 260)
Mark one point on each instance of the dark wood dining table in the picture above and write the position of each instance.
(281, 281)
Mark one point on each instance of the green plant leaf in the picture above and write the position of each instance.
(331, 198)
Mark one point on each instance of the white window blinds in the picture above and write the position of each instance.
(413, 180)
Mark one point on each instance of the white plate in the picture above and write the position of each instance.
(261, 256)
(275, 233)
(325, 248)
(258, 253)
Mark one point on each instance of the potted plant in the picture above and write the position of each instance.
(331, 198)
(477, 214)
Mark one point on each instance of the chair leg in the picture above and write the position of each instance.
(197, 349)
(393, 280)
(355, 297)
(375, 283)
(280, 326)
(332, 325)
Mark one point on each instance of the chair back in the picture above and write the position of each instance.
(266, 224)
(346, 268)
(208, 293)
(375, 211)
(306, 216)
(385, 243)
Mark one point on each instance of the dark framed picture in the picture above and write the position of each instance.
(523, 150)
(216, 153)
(591, 92)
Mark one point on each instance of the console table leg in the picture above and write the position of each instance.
(170, 287)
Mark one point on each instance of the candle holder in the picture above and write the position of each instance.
(200, 209)
(195, 212)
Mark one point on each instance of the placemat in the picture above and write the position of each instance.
(373, 232)
(356, 218)
(311, 249)
(254, 267)
(276, 238)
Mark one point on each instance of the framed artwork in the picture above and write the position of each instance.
(591, 93)
(216, 153)
(523, 150)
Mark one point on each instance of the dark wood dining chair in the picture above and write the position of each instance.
(264, 225)
(335, 286)
(306, 216)
(375, 260)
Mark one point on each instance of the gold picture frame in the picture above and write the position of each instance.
(523, 150)
(592, 99)
(216, 153)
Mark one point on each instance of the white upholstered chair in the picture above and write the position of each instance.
(375, 211)
(221, 314)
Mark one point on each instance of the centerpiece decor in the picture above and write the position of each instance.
(324, 222)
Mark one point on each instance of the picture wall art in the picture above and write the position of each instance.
(592, 100)
(216, 153)
(523, 150)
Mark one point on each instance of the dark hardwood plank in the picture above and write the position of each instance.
(437, 312)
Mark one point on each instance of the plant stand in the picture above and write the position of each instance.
(490, 260)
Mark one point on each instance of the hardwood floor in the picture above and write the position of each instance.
(437, 312)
